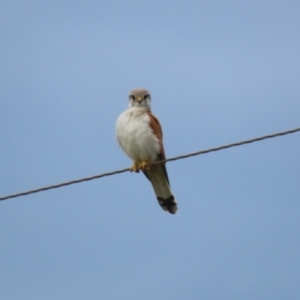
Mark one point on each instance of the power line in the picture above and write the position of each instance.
(166, 160)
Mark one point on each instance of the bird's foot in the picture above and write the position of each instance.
(144, 166)
(134, 168)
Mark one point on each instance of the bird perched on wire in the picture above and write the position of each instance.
(140, 136)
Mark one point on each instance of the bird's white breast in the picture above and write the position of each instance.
(135, 135)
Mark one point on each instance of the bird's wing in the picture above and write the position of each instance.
(158, 175)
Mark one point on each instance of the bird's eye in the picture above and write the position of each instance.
(132, 97)
(146, 96)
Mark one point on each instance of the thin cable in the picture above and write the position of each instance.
(158, 162)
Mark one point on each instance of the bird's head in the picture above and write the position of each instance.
(140, 98)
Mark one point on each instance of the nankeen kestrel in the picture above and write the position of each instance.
(140, 136)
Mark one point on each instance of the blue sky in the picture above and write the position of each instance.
(218, 72)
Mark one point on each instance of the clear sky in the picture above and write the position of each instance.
(219, 72)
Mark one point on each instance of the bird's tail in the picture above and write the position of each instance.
(160, 183)
(168, 204)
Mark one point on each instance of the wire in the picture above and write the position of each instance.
(158, 162)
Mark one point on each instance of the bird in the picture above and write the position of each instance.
(140, 136)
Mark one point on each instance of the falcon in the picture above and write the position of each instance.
(139, 134)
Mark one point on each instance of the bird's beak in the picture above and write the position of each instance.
(139, 99)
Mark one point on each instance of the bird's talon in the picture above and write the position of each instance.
(144, 166)
(134, 168)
